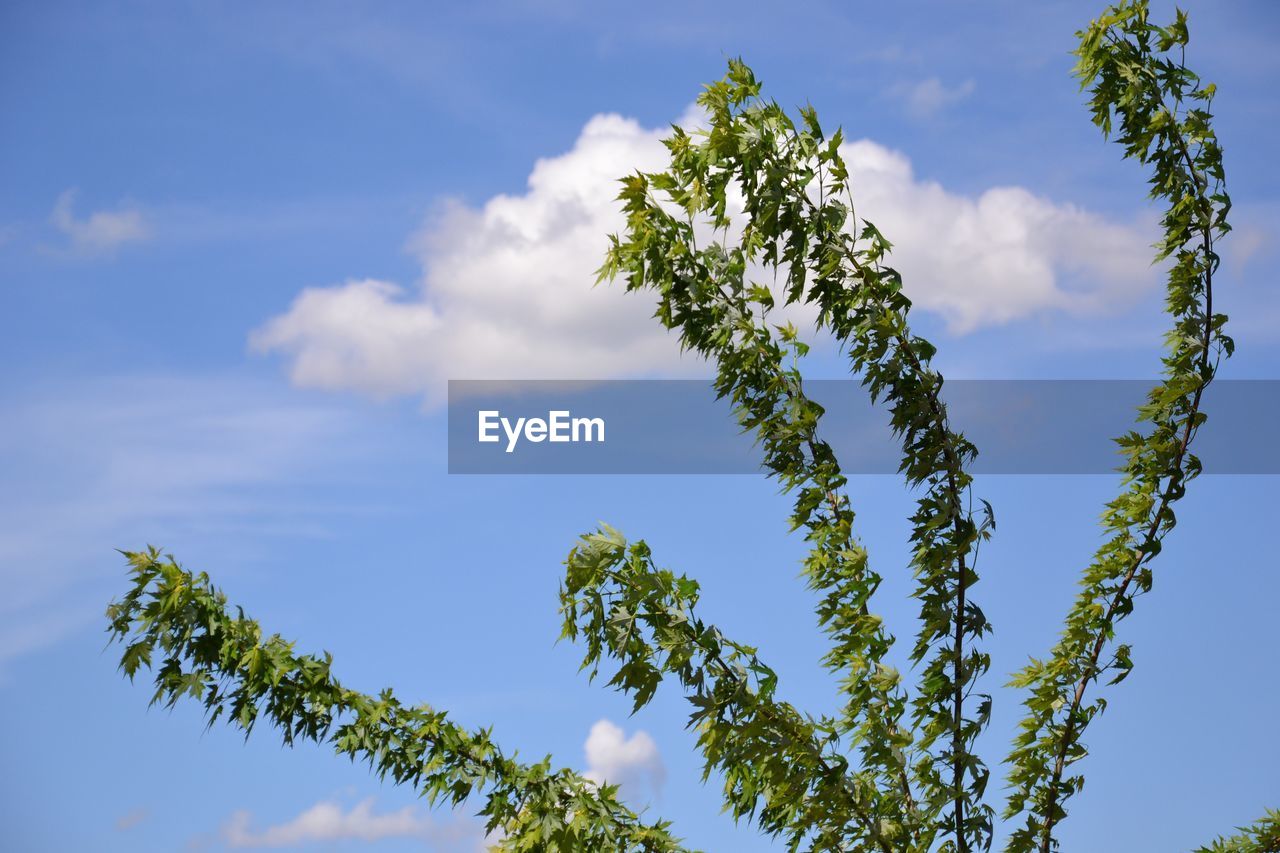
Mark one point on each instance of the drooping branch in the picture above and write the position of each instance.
(1131, 66)
(781, 768)
(180, 626)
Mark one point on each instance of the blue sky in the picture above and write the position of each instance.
(243, 246)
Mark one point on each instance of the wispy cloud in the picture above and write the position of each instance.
(126, 822)
(102, 231)
(927, 98)
(1248, 243)
(124, 462)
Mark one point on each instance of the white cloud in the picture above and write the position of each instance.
(507, 288)
(126, 822)
(929, 97)
(102, 231)
(506, 291)
(329, 821)
(1002, 256)
(632, 763)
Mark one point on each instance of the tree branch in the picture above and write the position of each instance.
(179, 625)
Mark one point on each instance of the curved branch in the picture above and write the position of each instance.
(1118, 57)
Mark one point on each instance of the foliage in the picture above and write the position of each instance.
(758, 196)
(1262, 837)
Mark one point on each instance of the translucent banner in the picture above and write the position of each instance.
(680, 427)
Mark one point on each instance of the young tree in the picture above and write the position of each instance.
(895, 769)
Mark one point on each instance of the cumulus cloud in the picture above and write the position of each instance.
(633, 763)
(929, 97)
(506, 293)
(328, 821)
(102, 231)
(507, 288)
